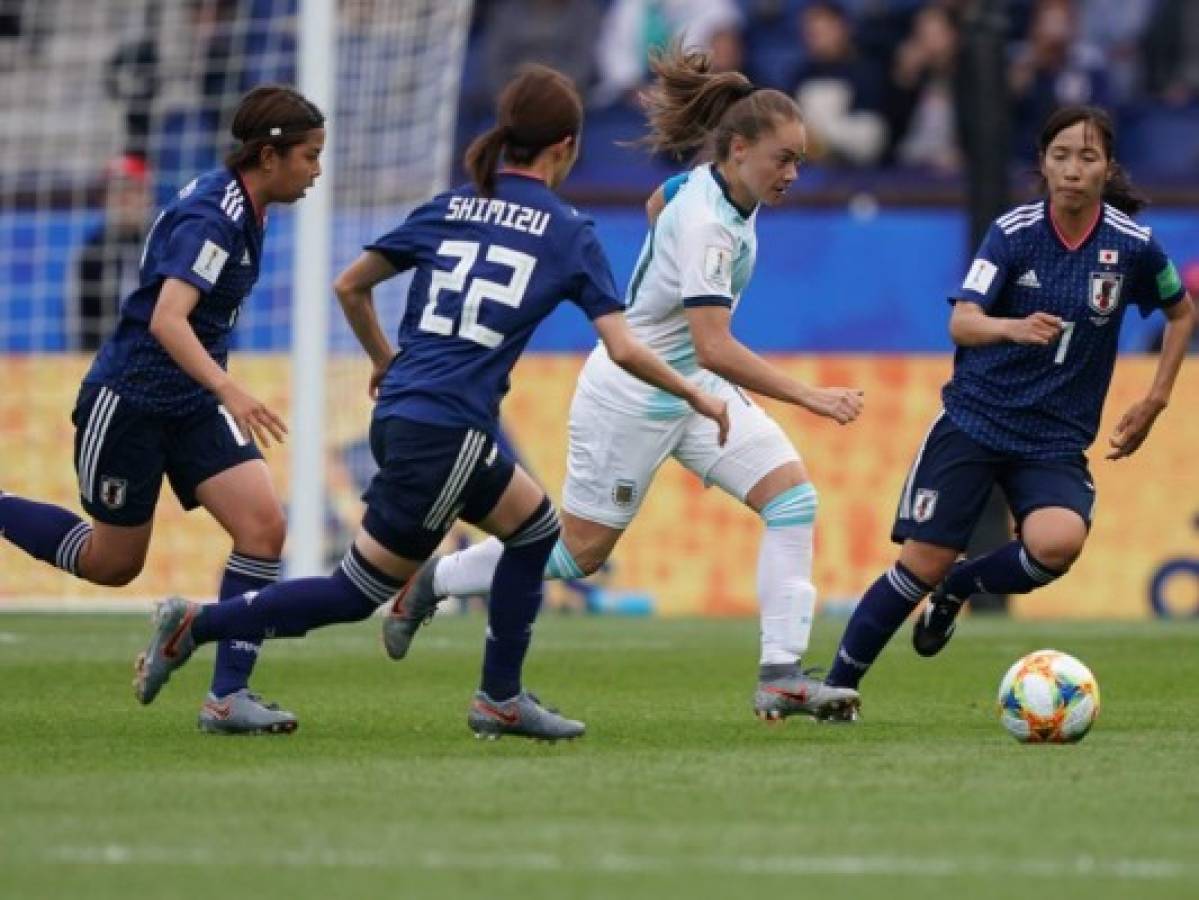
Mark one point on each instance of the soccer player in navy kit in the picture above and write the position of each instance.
(158, 401)
(1036, 324)
(491, 261)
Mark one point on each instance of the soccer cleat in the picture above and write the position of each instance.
(936, 622)
(171, 645)
(802, 694)
(523, 716)
(244, 712)
(414, 606)
(848, 714)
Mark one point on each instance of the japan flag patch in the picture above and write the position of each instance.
(1109, 257)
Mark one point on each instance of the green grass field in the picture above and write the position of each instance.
(675, 792)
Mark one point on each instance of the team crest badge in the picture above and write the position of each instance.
(924, 505)
(113, 491)
(624, 493)
(1105, 292)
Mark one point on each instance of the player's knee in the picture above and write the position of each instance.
(796, 505)
(274, 533)
(587, 551)
(927, 562)
(116, 574)
(540, 529)
(1054, 553)
(590, 560)
(588, 555)
(263, 534)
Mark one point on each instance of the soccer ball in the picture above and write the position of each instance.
(1048, 697)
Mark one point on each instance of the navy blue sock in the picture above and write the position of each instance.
(44, 531)
(516, 593)
(1009, 570)
(293, 608)
(235, 659)
(878, 615)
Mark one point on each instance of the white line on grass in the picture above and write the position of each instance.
(868, 866)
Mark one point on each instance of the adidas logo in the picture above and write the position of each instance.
(1029, 279)
(245, 260)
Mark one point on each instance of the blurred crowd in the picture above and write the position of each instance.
(135, 96)
(878, 80)
(875, 78)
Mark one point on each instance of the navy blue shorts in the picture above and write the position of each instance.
(430, 475)
(122, 454)
(951, 479)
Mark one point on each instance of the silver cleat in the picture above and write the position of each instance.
(801, 694)
(244, 712)
(171, 645)
(413, 607)
(523, 716)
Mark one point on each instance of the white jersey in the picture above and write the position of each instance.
(699, 253)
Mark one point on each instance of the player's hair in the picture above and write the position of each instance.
(271, 115)
(538, 107)
(1119, 191)
(688, 105)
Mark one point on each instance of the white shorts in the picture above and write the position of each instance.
(613, 455)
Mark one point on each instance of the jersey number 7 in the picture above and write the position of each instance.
(510, 294)
(1063, 343)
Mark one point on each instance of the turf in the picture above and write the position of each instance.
(675, 792)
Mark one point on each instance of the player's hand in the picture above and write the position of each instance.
(843, 405)
(1040, 329)
(377, 374)
(1134, 427)
(715, 409)
(252, 416)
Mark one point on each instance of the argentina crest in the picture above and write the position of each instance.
(1105, 292)
(624, 492)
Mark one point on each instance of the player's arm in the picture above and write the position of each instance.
(655, 204)
(971, 326)
(354, 288)
(707, 251)
(1134, 425)
(662, 195)
(717, 350)
(640, 362)
(170, 327)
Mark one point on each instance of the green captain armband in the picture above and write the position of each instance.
(1168, 282)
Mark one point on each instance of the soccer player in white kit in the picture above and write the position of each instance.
(693, 268)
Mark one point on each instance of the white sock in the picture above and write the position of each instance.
(786, 594)
(468, 572)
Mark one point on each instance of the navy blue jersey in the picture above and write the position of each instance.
(210, 237)
(487, 271)
(1045, 402)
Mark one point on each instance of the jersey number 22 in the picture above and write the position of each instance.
(510, 294)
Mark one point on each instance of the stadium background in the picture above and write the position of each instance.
(849, 288)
